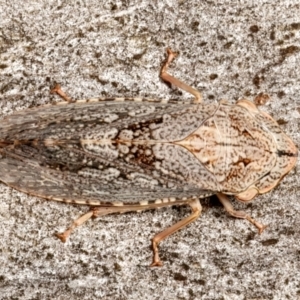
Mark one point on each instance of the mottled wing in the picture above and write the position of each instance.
(30, 177)
(105, 151)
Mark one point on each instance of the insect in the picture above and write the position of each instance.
(121, 155)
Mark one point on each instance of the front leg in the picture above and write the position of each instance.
(167, 77)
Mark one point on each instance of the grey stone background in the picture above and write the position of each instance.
(228, 49)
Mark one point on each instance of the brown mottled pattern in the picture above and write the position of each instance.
(103, 151)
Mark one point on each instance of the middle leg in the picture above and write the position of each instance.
(238, 213)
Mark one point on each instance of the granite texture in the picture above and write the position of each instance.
(228, 50)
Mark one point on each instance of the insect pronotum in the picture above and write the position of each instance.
(120, 155)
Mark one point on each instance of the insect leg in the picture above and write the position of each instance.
(167, 77)
(95, 212)
(238, 213)
(63, 236)
(196, 211)
(105, 210)
(57, 89)
(111, 209)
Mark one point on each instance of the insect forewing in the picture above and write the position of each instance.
(105, 151)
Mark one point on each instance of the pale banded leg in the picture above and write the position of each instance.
(163, 74)
(238, 213)
(167, 77)
(196, 211)
(57, 90)
(63, 236)
(105, 210)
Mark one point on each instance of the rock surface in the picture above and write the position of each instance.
(228, 50)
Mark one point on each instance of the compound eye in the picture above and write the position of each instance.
(247, 195)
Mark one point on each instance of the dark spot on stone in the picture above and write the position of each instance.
(254, 28)
(211, 97)
(6, 87)
(282, 121)
(195, 26)
(179, 277)
(213, 76)
(191, 293)
(173, 254)
(250, 236)
(138, 56)
(280, 42)
(256, 80)
(269, 242)
(280, 212)
(280, 94)
(49, 256)
(98, 54)
(120, 20)
(200, 281)
(272, 35)
(247, 93)
(289, 50)
(80, 34)
(106, 271)
(228, 45)
(295, 26)
(289, 232)
(292, 34)
(186, 267)
(202, 44)
(117, 267)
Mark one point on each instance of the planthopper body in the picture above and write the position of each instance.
(118, 155)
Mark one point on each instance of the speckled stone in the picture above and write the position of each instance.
(228, 50)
